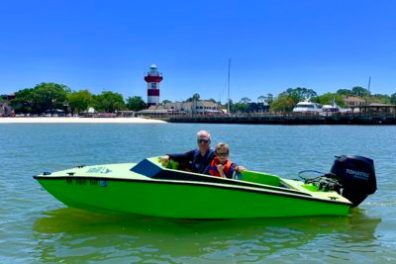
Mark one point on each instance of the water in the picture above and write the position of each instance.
(36, 228)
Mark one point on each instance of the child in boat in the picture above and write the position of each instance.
(221, 165)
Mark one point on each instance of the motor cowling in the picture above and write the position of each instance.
(356, 175)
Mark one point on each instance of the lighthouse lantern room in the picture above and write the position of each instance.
(153, 79)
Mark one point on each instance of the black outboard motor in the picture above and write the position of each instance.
(356, 175)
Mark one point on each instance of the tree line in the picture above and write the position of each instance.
(48, 96)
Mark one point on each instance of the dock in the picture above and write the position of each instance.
(291, 119)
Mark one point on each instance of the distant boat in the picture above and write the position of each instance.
(307, 107)
(328, 110)
(333, 109)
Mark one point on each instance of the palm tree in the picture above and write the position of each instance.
(261, 99)
(245, 100)
(196, 97)
(270, 98)
(194, 102)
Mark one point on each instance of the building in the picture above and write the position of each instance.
(153, 79)
(258, 107)
(353, 101)
(5, 109)
(7, 97)
(199, 107)
(376, 108)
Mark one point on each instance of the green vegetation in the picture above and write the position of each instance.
(108, 102)
(241, 106)
(289, 98)
(393, 99)
(283, 103)
(53, 97)
(329, 98)
(43, 97)
(136, 103)
(80, 101)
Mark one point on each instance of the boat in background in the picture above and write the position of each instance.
(329, 110)
(307, 107)
(334, 109)
(151, 189)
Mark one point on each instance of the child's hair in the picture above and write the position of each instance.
(223, 146)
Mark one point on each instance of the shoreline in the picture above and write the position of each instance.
(78, 120)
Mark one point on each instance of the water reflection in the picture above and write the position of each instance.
(73, 235)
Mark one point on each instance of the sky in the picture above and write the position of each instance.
(108, 45)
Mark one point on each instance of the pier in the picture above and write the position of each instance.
(291, 119)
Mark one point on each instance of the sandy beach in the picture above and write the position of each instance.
(77, 120)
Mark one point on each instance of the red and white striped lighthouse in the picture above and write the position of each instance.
(153, 78)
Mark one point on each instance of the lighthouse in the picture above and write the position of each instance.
(153, 78)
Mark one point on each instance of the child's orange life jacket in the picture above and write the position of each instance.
(228, 168)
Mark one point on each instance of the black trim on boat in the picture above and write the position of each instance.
(154, 171)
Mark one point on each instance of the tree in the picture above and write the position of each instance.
(194, 102)
(239, 107)
(23, 101)
(300, 94)
(245, 100)
(282, 103)
(166, 101)
(49, 96)
(380, 98)
(289, 98)
(266, 99)
(270, 98)
(393, 99)
(80, 101)
(109, 102)
(43, 97)
(345, 92)
(329, 98)
(136, 103)
(360, 91)
(195, 97)
(261, 99)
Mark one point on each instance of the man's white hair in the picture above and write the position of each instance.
(204, 134)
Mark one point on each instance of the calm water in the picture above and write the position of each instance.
(36, 228)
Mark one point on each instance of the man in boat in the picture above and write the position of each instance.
(197, 160)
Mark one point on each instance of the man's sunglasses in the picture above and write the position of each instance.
(202, 141)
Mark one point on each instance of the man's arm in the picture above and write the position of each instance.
(179, 157)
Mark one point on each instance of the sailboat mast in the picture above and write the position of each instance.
(369, 84)
(228, 86)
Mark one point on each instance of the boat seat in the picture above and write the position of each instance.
(260, 177)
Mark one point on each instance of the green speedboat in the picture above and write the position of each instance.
(148, 188)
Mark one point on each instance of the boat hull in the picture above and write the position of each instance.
(178, 199)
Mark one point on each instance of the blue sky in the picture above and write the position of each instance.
(324, 45)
